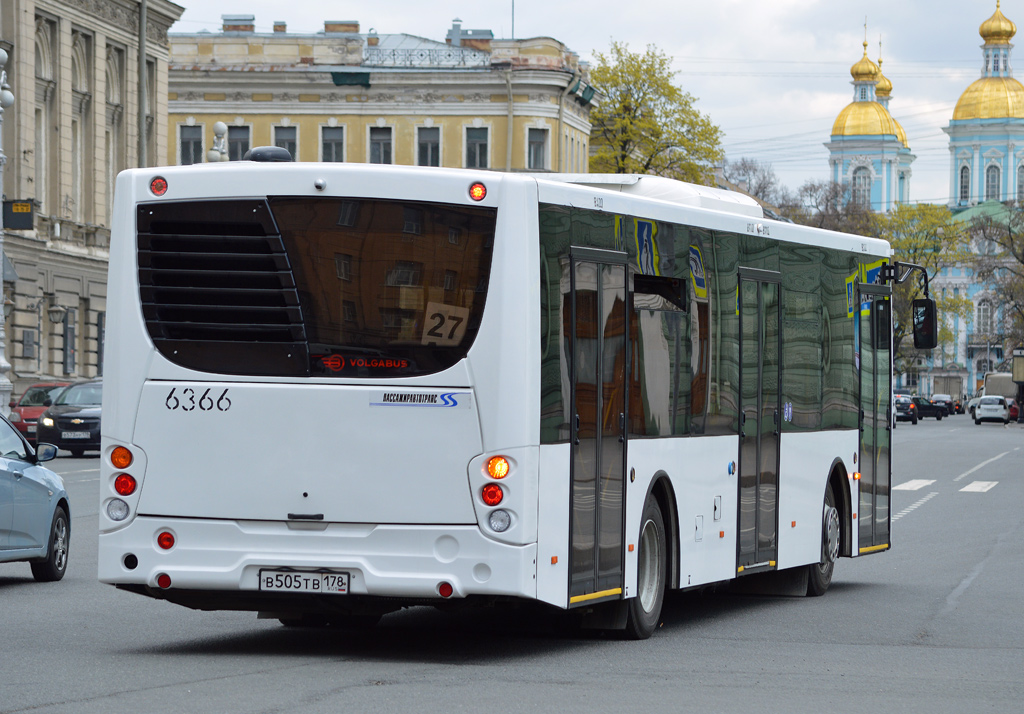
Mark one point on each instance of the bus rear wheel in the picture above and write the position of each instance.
(820, 573)
(644, 610)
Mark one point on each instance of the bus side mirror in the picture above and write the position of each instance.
(926, 325)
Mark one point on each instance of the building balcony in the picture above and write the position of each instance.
(984, 340)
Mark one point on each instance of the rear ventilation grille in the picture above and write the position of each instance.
(217, 289)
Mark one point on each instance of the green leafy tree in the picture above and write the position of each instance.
(645, 124)
(929, 236)
(998, 242)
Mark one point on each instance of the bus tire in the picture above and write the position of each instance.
(644, 611)
(819, 575)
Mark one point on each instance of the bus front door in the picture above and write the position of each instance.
(760, 420)
(598, 331)
(875, 342)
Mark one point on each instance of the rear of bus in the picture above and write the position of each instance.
(302, 409)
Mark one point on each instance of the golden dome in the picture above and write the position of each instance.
(997, 30)
(991, 98)
(883, 88)
(867, 119)
(865, 70)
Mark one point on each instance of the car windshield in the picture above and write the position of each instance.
(903, 400)
(37, 396)
(992, 401)
(81, 394)
(942, 397)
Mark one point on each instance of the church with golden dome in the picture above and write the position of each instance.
(986, 133)
(868, 150)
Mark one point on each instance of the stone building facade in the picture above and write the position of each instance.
(73, 69)
(343, 95)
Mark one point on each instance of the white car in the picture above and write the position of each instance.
(992, 409)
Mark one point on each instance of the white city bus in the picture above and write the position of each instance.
(335, 390)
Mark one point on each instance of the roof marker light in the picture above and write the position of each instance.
(477, 191)
(158, 185)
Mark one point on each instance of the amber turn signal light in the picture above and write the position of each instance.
(497, 467)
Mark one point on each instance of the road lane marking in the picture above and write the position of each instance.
(82, 471)
(979, 486)
(915, 505)
(915, 485)
(965, 474)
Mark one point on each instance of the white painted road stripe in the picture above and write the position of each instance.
(984, 463)
(979, 486)
(911, 507)
(915, 485)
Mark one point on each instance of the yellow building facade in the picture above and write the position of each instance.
(341, 95)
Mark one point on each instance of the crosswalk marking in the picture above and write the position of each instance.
(913, 506)
(979, 486)
(914, 485)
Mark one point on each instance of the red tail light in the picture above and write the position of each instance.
(445, 590)
(125, 484)
(492, 494)
(165, 540)
(163, 580)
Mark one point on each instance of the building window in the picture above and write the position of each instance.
(451, 279)
(903, 188)
(380, 145)
(863, 94)
(476, 148)
(287, 138)
(405, 273)
(983, 318)
(412, 221)
(992, 183)
(862, 187)
(343, 266)
(1020, 183)
(191, 138)
(965, 184)
(537, 139)
(428, 146)
(333, 138)
(238, 142)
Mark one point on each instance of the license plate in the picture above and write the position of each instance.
(74, 435)
(304, 582)
(31, 429)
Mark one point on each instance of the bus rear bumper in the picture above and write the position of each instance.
(393, 561)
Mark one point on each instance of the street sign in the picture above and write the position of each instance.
(18, 215)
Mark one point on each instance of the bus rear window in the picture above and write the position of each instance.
(325, 287)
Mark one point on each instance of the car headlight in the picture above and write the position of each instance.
(46, 421)
(15, 417)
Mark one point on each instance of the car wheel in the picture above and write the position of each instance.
(914, 421)
(644, 611)
(938, 417)
(820, 573)
(55, 564)
(977, 421)
(77, 453)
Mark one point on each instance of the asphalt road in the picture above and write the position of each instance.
(935, 625)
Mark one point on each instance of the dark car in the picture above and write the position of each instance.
(926, 409)
(944, 400)
(72, 422)
(906, 410)
(25, 411)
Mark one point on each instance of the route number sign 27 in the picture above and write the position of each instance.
(444, 324)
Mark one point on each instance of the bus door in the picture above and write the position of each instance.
(598, 333)
(875, 460)
(760, 418)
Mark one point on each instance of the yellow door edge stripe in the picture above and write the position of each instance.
(595, 596)
(875, 548)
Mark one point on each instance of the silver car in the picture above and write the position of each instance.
(35, 514)
(992, 409)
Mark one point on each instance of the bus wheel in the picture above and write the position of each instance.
(644, 610)
(820, 574)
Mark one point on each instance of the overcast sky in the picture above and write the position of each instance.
(772, 74)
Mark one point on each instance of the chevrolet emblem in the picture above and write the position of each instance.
(77, 421)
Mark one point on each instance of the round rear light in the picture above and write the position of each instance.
(163, 580)
(477, 191)
(117, 510)
(445, 589)
(497, 467)
(500, 520)
(121, 458)
(158, 186)
(125, 484)
(492, 494)
(165, 540)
